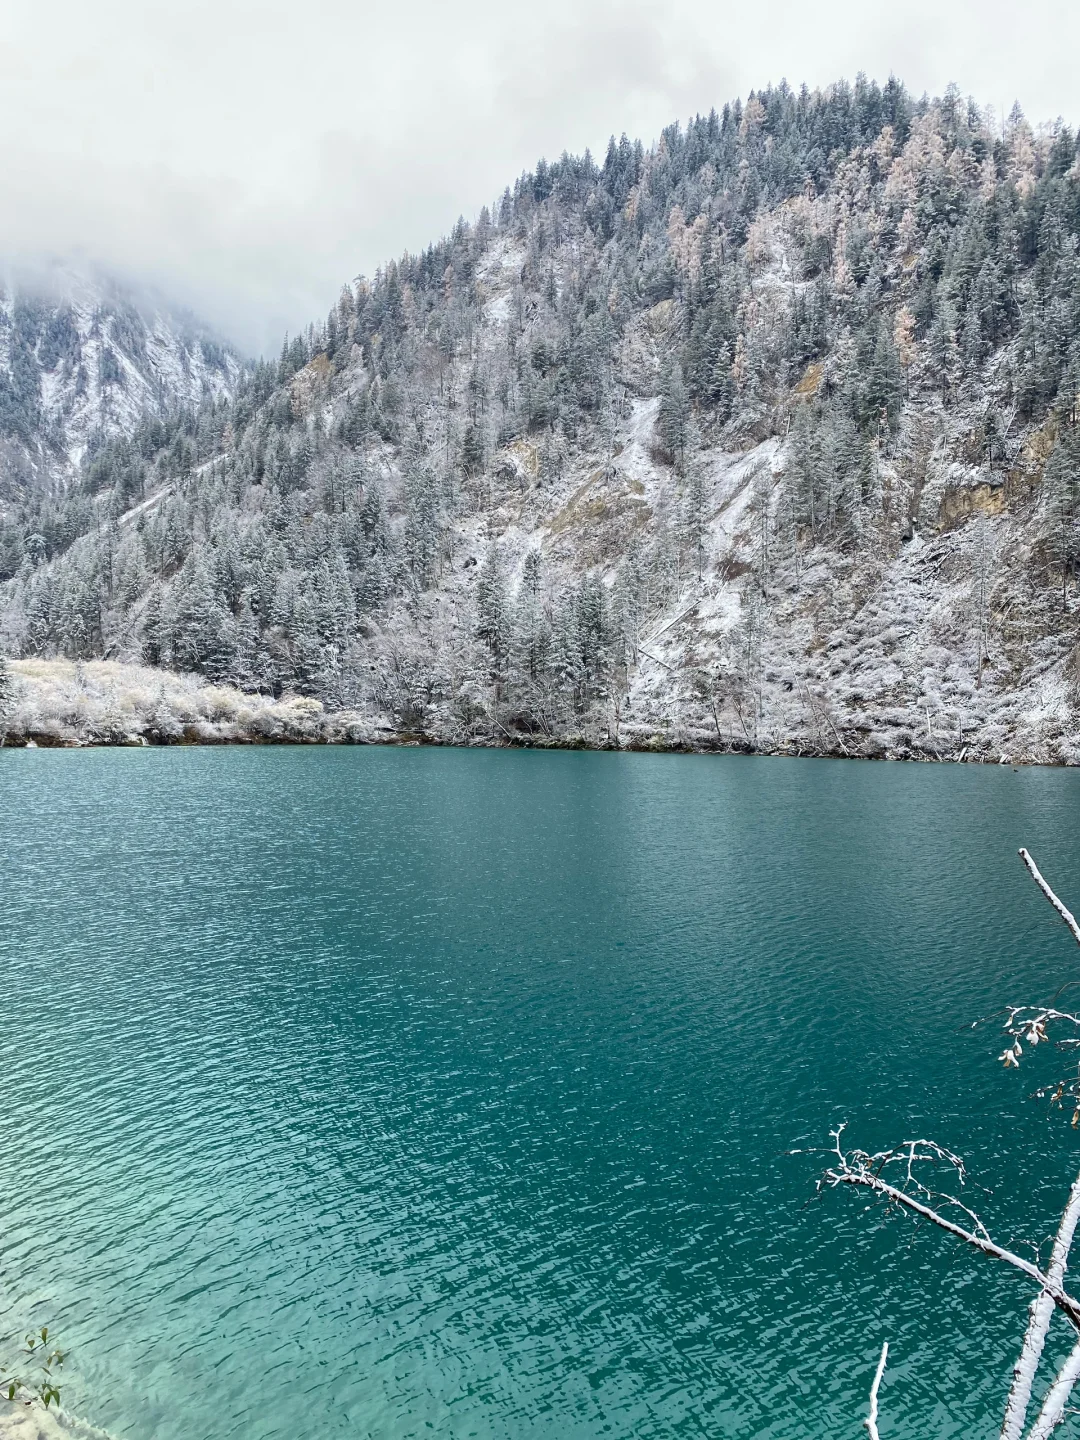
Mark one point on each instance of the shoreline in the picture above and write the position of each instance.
(405, 739)
(63, 704)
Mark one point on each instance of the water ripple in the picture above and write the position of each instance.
(398, 1093)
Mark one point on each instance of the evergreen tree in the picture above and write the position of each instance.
(673, 416)
(786, 271)
(884, 383)
(695, 519)
(806, 472)
(531, 628)
(493, 620)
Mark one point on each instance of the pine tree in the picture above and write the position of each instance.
(592, 638)
(695, 519)
(673, 416)
(945, 351)
(155, 630)
(531, 629)
(884, 384)
(422, 537)
(492, 606)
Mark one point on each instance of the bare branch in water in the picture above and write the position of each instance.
(1053, 1409)
(1066, 915)
(871, 1420)
(897, 1176)
(1041, 1312)
(856, 1167)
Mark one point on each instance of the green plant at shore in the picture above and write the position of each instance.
(42, 1367)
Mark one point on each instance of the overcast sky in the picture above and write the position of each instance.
(251, 155)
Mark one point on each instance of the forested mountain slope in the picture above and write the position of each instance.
(765, 437)
(83, 361)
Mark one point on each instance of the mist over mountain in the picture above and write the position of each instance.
(85, 360)
(764, 437)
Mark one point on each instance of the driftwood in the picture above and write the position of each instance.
(896, 1175)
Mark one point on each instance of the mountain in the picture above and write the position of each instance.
(762, 438)
(84, 360)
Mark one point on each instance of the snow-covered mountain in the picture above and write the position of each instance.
(766, 437)
(84, 360)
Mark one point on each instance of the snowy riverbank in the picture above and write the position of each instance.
(60, 703)
(70, 704)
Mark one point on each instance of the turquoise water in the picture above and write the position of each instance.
(392, 1093)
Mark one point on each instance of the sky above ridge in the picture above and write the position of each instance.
(248, 158)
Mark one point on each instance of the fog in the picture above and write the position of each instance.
(250, 158)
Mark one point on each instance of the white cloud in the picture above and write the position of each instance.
(252, 157)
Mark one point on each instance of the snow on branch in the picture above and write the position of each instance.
(857, 1167)
(1031, 1025)
(1066, 915)
(897, 1176)
(1053, 1410)
(1040, 1315)
(871, 1420)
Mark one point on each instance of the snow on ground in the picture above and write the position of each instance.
(128, 359)
(96, 702)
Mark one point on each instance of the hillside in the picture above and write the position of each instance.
(762, 438)
(83, 361)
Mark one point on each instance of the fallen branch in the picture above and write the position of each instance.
(871, 1420)
(1066, 915)
(1053, 1411)
(1042, 1310)
(1024, 1025)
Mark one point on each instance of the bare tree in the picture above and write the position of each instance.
(896, 1176)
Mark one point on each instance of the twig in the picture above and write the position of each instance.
(862, 1169)
(1066, 915)
(871, 1420)
(988, 1247)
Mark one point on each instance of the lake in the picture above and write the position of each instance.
(414, 1092)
